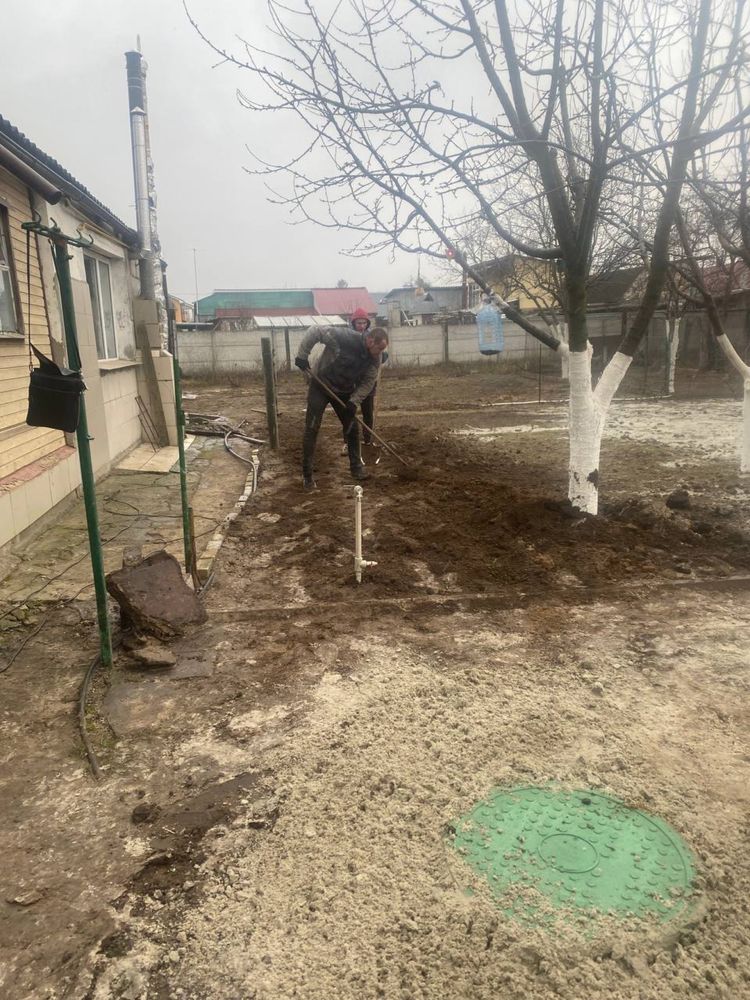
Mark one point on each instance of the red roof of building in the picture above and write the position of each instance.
(728, 279)
(343, 301)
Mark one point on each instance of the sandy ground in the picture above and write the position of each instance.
(350, 888)
(276, 823)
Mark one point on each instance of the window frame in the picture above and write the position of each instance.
(20, 331)
(96, 296)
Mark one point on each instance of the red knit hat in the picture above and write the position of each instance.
(359, 314)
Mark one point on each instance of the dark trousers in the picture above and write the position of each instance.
(317, 400)
(368, 415)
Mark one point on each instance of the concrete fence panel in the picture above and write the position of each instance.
(223, 352)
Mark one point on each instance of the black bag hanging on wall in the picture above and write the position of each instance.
(54, 395)
(54, 392)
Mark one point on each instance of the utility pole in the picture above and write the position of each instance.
(195, 275)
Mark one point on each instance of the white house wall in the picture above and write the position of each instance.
(121, 415)
(111, 385)
(34, 490)
(108, 249)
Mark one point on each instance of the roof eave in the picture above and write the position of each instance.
(66, 186)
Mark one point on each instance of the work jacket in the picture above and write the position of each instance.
(345, 364)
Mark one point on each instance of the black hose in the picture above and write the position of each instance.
(20, 648)
(231, 451)
(81, 712)
(82, 696)
(243, 437)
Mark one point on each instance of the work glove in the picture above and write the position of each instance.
(350, 412)
(303, 364)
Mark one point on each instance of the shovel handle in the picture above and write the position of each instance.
(326, 388)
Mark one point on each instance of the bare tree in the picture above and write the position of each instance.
(538, 285)
(677, 297)
(424, 116)
(707, 287)
(720, 178)
(711, 255)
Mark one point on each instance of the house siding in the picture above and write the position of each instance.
(20, 444)
(528, 282)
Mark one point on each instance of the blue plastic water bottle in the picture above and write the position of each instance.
(489, 328)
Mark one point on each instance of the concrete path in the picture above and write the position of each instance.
(139, 512)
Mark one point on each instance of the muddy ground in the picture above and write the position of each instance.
(272, 821)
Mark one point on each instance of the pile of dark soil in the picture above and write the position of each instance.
(473, 521)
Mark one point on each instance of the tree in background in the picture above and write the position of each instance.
(425, 116)
(711, 243)
(720, 177)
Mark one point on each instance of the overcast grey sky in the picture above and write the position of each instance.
(62, 77)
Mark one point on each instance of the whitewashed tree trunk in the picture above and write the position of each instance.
(588, 413)
(674, 326)
(726, 345)
(561, 332)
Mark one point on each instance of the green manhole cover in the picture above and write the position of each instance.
(542, 850)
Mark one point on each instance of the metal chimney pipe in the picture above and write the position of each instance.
(136, 101)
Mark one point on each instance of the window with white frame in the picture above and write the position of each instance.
(9, 319)
(100, 290)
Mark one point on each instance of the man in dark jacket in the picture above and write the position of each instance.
(349, 364)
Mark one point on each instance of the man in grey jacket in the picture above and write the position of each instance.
(349, 364)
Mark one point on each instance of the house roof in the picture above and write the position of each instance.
(295, 322)
(411, 289)
(343, 301)
(25, 150)
(612, 289)
(727, 280)
(499, 265)
(256, 299)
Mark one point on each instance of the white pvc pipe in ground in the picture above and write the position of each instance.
(359, 562)
(255, 461)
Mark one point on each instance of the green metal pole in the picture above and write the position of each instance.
(271, 409)
(187, 516)
(183, 468)
(62, 266)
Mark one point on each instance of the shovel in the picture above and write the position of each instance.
(332, 395)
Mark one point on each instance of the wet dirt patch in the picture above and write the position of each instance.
(477, 520)
(421, 697)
